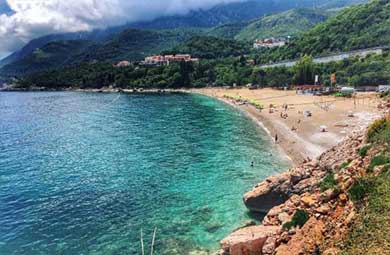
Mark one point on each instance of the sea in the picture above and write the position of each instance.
(96, 173)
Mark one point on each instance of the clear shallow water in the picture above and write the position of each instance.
(82, 173)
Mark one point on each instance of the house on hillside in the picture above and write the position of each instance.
(166, 59)
(270, 42)
(123, 63)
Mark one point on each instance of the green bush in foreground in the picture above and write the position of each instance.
(299, 219)
(370, 234)
(360, 189)
(378, 160)
(329, 182)
(363, 151)
(345, 164)
(379, 132)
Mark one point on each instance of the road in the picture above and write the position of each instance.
(332, 58)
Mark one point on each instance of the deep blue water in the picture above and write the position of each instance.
(83, 173)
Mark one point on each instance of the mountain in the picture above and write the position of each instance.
(228, 31)
(135, 44)
(131, 44)
(284, 24)
(218, 15)
(52, 55)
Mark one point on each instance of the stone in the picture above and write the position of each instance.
(265, 196)
(306, 239)
(331, 251)
(249, 240)
(350, 218)
(323, 209)
(343, 198)
(284, 218)
(269, 246)
(308, 201)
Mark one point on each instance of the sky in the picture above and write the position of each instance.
(30, 19)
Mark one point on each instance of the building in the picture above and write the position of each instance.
(166, 59)
(123, 64)
(270, 43)
(309, 89)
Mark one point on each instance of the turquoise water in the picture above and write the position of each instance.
(83, 173)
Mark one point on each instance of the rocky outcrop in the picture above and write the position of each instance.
(298, 180)
(251, 240)
(330, 211)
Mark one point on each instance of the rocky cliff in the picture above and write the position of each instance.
(308, 207)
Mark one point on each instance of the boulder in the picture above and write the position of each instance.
(250, 240)
(265, 196)
(306, 239)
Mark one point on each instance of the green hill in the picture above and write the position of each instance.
(283, 24)
(52, 55)
(208, 47)
(357, 27)
(228, 31)
(131, 44)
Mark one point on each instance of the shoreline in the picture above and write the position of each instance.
(282, 152)
(296, 146)
(307, 142)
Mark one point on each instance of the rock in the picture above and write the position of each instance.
(306, 239)
(331, 251)
(284, 218)
(249, 240)
(265, 196)
(350, 218)
(269, 246)
(323, 209)
(343, 198)
(328, 195)
(308, 201)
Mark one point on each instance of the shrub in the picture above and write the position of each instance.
(345, 164)
(329, 182)
(299, 219)
(378, 160)
(360, 189)
(363, 151)
(379, 131)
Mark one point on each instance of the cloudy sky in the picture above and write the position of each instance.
(33, 18)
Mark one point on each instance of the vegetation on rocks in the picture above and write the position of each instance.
(370, 234)
(299, 219)
(329, 182)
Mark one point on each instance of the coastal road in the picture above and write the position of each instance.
(331, 58)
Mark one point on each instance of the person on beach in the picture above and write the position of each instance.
(276, 138)
(252, 164)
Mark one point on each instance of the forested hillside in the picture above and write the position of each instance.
(284, 24)
(357, 27)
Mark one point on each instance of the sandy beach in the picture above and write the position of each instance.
(300, 136)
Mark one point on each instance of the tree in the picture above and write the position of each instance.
(304, 71)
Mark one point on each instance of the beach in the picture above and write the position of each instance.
(299, 136)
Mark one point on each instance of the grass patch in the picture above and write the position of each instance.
(371, 233)
(379, 132)
(360, 189)
(345, 164)
(363, 151)
(329, 182)
(299, 219)
(378, 160)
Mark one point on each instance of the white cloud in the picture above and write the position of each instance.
(34, 18)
